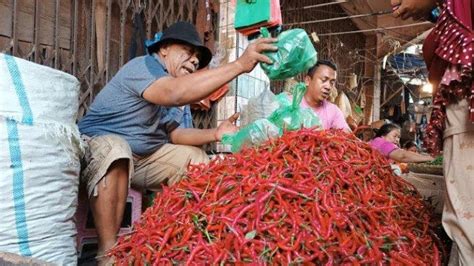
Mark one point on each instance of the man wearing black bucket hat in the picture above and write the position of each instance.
(136, 127)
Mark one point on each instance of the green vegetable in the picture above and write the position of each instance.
(437, 161)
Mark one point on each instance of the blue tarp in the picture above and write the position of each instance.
(409, 63)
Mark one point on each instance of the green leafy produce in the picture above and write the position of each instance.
(437, 161)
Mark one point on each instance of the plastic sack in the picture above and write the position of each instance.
(274, 21)
(343, 102)
(296, 54)
(253, 134)
(39, 161)
(251, 12)
(288, 116)
(259, 107)
(291, 116)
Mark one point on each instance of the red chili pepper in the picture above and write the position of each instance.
(315, 197)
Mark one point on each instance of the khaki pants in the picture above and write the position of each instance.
(168, 164)
(458, 213)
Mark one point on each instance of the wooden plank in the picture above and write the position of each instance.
(36, 32)
(26, 21)
(4, 44)
(396, 93)
(74, 33)
(376, 99)
(6, 18)
(101, 30)
(371, 41)
(14, 26)
(107, 40)
(56, 33)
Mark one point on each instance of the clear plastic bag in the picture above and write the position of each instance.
(253, 134)
(259, 107)
(296, 54)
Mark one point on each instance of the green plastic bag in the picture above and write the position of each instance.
(288, 116)
(251, 12)
(296, 54)
(293, 117)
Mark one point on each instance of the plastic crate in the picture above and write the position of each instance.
(85, 221)
(87, 251)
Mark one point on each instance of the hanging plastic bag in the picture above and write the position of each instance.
(259, 107)
(292, 116)
(296, 54)
(251, 12)
(274, 21)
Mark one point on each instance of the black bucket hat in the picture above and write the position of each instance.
(183, 32)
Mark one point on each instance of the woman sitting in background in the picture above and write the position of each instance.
(386, 141)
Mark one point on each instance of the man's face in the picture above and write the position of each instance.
(180, 59)
(320, 84)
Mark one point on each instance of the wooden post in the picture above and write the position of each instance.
(100, 25)
(204, 23)
(371, 41)
(376, 99)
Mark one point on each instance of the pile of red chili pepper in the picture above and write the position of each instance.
(323, 197)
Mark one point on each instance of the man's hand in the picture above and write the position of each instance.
(227, 127)
(253, 54)
(415, 9)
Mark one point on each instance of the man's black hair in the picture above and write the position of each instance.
(321, 63)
